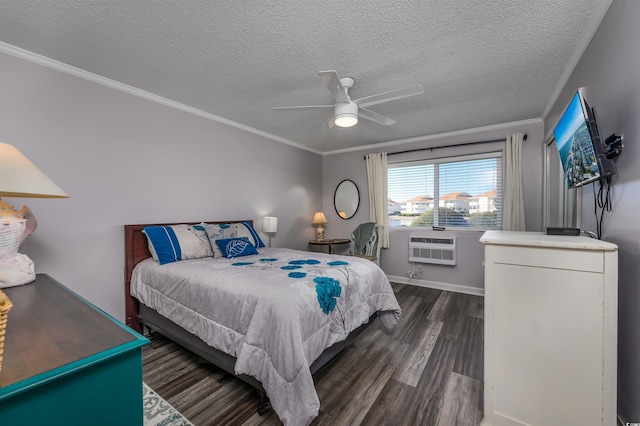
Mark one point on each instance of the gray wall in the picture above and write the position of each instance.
(124, 159)
(609, 72)
(395, 261)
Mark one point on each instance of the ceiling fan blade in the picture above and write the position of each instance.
(301, 107)
(332, 81)
(375, 117)
(390, 96)
(331, 122)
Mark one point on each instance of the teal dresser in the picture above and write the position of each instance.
(66, 362)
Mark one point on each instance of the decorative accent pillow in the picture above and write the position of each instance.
(245, 229)
(236, 247)
(171, 243)
(219, 232)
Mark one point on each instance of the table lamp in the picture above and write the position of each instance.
(269, 226)
(19, 177)
(319, 219)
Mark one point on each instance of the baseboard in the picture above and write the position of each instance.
(437, 285)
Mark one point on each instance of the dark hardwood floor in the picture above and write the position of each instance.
(427, 372)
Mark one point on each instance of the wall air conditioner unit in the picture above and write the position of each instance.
(425, 249)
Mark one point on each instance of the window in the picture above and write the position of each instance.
(454, 192)
(561, 206)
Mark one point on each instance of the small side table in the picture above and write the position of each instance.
(329, 246)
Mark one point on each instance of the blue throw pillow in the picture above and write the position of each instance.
(236, 247)
(177, 242)
(245, 229)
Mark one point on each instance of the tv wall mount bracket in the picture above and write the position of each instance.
(613, 146)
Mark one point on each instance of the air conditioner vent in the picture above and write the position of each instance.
(425, 249)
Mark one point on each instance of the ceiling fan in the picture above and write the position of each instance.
(345, 110)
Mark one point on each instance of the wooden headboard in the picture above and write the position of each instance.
(136, 250)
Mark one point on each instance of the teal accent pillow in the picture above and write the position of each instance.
(236, 247)
(171, 243)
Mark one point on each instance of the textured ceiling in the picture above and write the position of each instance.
(480, 62)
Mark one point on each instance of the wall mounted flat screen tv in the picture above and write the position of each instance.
(579, 144)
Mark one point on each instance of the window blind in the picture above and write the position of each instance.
(457, 192)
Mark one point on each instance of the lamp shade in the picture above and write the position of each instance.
(270, 224)
(19, 177)
(319, 218)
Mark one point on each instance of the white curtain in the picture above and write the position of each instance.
(378, 198)
(513, 211)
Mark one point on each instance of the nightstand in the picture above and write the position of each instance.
(330, 246)
(66, 361)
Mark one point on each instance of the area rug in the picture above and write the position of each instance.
(158, 412)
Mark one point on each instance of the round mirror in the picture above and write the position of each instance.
(346, 199)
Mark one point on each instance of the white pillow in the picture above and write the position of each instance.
(219, 232)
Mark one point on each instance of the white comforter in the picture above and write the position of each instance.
(275, 312)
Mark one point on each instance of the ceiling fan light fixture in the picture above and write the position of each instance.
(346, 114)
(346, 120)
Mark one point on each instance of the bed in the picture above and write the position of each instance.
(272, 318)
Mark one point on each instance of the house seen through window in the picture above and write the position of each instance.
(455, 192)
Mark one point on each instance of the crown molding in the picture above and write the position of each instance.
(112, 84)
(574, 60)
(506, 127)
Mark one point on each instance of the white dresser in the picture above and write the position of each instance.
(550, 342)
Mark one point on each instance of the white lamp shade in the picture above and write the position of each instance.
(270, 224)
(319, 218)
(19, 177)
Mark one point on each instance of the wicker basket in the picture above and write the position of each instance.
(5, 305)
